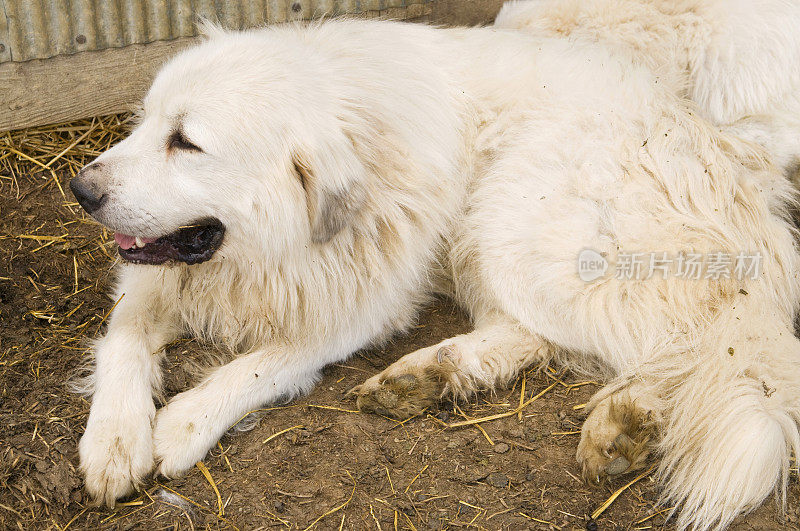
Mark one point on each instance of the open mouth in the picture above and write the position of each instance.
(191, 244)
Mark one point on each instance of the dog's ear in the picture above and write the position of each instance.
(332, 177)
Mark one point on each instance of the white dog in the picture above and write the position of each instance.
(739, 60)
(294, 194)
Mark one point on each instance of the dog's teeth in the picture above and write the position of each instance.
(139, 242)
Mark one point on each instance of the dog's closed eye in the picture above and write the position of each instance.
(177, 140)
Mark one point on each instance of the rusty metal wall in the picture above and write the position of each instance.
(37, 29)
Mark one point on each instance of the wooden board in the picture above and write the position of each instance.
(71, 87)
(465, 12)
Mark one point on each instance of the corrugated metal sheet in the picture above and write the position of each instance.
(37, 29)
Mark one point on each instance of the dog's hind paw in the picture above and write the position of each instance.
(405, 389)
(616, 438)
(399, 397)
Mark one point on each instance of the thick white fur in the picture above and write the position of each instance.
(738, 59)
(493, 155)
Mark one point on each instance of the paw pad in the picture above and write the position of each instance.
(618, 466)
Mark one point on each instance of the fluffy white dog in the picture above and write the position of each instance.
(295, 193)
(739, 60)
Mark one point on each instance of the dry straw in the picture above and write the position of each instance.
(57, 152)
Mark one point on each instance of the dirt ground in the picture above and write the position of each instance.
(311, 463)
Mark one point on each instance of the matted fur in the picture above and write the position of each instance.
(355, 163)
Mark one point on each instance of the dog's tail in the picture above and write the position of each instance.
(731, 430)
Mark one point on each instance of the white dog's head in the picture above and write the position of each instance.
(243, 138)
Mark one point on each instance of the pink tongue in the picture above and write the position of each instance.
(126, 242)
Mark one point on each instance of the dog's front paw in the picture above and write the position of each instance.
(616, 438)
(182, 435)
(116, 454)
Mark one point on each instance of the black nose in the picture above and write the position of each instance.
(87, 194)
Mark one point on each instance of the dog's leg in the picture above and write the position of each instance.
(116, 450)
(193, 421)
(491, 355)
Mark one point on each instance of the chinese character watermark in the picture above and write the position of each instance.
(717, 265)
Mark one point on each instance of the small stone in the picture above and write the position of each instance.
(530, 476)
(516, 432)
(501, 448)
(476, 476)
(279, 506)
(443, 416)
(498, 480)
(591, 525)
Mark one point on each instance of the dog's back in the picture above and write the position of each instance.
(739, 60)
